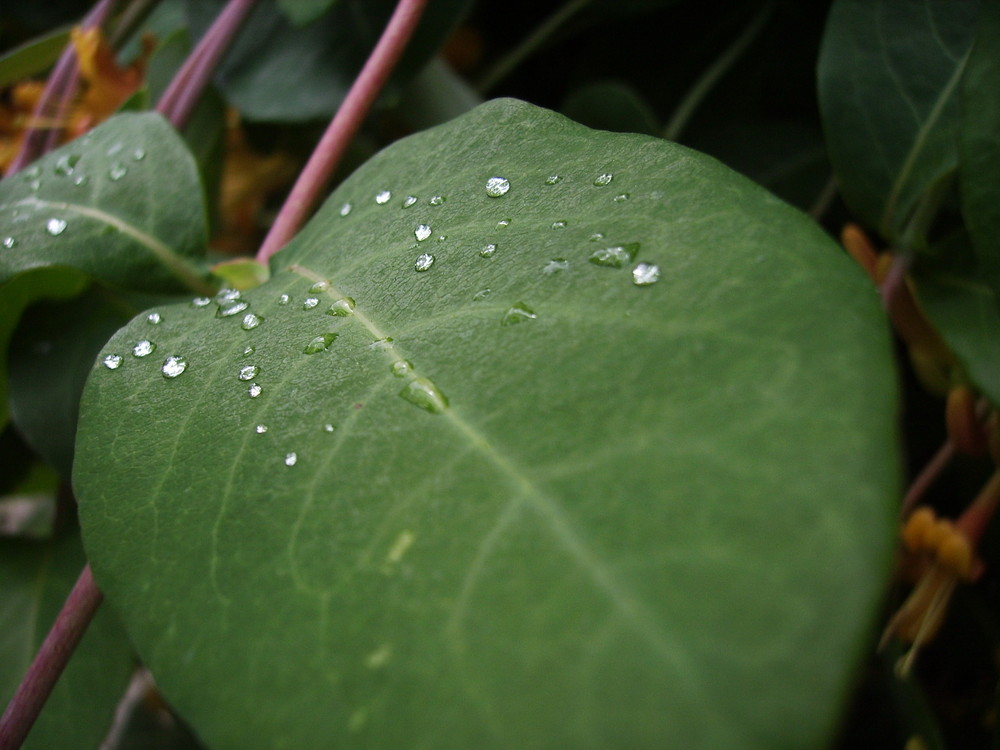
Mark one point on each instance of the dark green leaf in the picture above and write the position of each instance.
(35, 578)
(122, 203)
(979, 173)
(956, 295)
(52, 282)
(889, 73)
(49, 359)
(314, 65)
(611, 105)
(513, 500)
(32, 58)
(301, 12)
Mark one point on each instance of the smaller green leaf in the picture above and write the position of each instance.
(122, 203)
(611, 105)
(980, 146)
(889, 73)
(35, 578)
(242, 273)
(52, 282)
(301, 12)
(33, 57)
(966, 311)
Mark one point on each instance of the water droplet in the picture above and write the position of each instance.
(112, 361)
(291, 458)
(114, 149)
(65, 164)
(379, 657)
(9, 242)
(614, 257)
(260, 429)
(503, 223)
(519, 313)
(35, 185)
(559, 224)
(139, 154)
(345, 209)
(55, 227)
(173, 366)
(249, 350)
(488, 251)
(81, 180)
(32, 172)
(249, 372)
(442, 237)
(154, 318)
(228, 309)
(645, 274)
(482, 294)
(552, 179)
(555, 266)
(309, 303)
(436, 200)
(319, 286)
(409, 201)
(603, 179)
(201, 302)
(424, 393)
(422, 232)
(320, 343)
(382, 197)
(227, 295)
(143, 348)
(401, 368)
(596, 237)
(424, 262)
(381, 344)
(622, 197)
(117, 171)
(328, 427)
(284, 299)
(341, 308)
(254, 390)
(250, 321)
(497, 186)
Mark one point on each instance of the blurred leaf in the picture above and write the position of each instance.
(301, 12)
(28, 509)
(32, 58)
(508, 501)
(314, 65)
(610, 105)
(435, 96)
(35, 578)
(957, 297)
(979, 172)
(242, 273)
(889, 73)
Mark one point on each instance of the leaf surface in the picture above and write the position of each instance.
(889, 81)
(513, 499)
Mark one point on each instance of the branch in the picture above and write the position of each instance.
(179, 100)
(49, 662)
(342, 128)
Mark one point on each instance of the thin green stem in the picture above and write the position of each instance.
(529, 45)
(341, 130)
(49, 662)
(825, 199)
(706, 82)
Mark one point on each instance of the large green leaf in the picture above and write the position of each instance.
(314, 65)
(980, 144)
(514, 499)
(35, 578)
(889, 80)
(122, 203)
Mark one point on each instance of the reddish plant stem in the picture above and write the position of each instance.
(181, 96)
(977, 516)
(343, 127)
(926, 477)
(49, 662)
(43, 134)
(895, 277)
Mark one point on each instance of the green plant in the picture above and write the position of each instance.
(531, 435)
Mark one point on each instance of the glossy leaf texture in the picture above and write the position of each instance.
(314, 65)
(36, 577)
(889, 81)
(122, 203)
(537, 436)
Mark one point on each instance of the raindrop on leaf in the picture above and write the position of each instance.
(173, 366)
